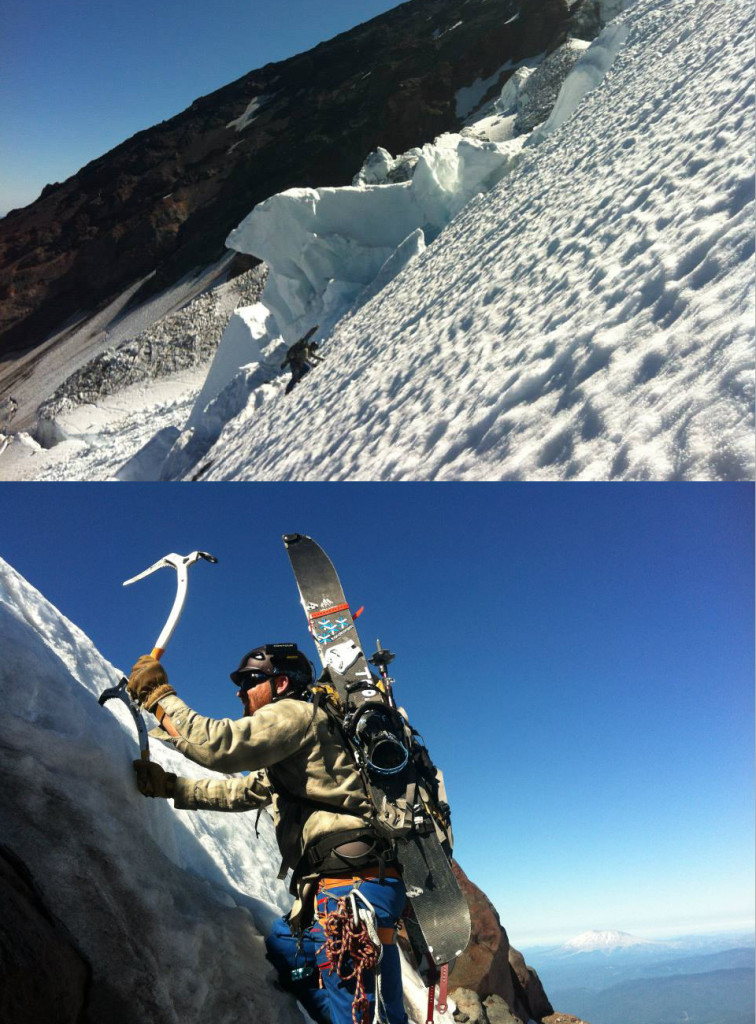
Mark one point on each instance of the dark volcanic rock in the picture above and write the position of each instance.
(166, 199)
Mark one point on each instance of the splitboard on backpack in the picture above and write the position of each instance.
(400, 779)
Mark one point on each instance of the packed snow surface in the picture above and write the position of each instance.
(572, 303)
(170, 907)
(590, 318)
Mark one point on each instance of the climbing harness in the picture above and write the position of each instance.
(353, 946)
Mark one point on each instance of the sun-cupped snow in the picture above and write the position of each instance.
(590, 318)
(572, 302)
(169, 907)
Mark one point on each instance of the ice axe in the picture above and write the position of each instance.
(181, 564)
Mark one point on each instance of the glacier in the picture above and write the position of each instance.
(571, 303)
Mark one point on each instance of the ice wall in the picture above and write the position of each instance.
(325, 246)
(321, 243)
(168, 907)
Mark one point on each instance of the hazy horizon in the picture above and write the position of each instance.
(737, 929)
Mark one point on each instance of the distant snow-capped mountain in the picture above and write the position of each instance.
(603, 942)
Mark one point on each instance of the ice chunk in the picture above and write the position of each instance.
(250, 329)
(321, 243)
(381, 168)
(587, 73)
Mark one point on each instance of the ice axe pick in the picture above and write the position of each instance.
(181, 564)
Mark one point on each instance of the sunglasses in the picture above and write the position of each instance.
(246, 678)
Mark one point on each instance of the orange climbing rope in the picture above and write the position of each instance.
(348, 943)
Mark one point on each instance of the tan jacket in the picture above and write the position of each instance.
(295, 763)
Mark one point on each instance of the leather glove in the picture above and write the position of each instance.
(148, 682)
(152, 780)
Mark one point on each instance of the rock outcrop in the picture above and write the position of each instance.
(164, 201)
(492, 974)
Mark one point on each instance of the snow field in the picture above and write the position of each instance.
(591, 318)
(102, 438)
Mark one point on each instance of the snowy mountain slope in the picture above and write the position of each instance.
(182, 340)
(604, 942)
(168, 907)
(161, 203)
(591, 318)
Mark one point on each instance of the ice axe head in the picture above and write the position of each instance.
(181, 564)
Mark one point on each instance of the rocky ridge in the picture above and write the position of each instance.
(471, 1009)
(165, 200)
(52, 979)
(491, 983)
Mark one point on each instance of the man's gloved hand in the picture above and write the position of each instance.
(152, 780)
(148, 682)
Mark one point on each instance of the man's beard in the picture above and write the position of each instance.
(257, 697)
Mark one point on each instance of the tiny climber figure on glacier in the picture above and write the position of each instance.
(301, 357)
(8, 409)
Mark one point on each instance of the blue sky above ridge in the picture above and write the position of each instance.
(81, 78)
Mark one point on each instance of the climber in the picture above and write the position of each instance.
(8, 409)
(297, 765)
(301, 357)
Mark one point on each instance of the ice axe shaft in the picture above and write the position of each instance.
(181, 564)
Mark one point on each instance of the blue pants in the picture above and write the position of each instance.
(332, 1004)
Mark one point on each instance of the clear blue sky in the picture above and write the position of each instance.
(81, 76)
(580, 659)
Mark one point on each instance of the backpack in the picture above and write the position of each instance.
(404, 788)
